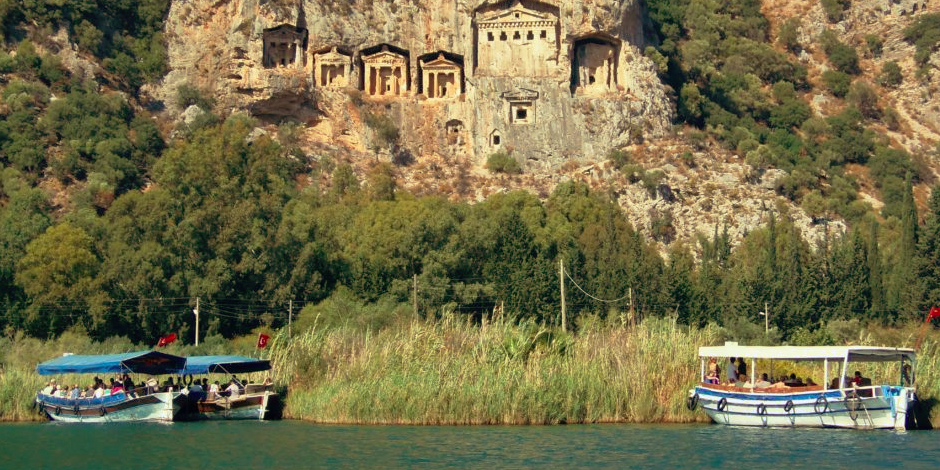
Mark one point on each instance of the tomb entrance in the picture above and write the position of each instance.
(441, 75)
(332, 68)
(385, 72)
(521, 105)
(517, 38)
(284, 46)
(594, 68)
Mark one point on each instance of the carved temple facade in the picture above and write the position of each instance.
(284, 46)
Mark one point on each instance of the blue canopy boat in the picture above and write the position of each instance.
(237, 401)
(148, 403)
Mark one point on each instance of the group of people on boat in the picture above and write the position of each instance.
(98, 389)
(736, 375)
(233, 389)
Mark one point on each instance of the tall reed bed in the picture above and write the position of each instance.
(454, 372)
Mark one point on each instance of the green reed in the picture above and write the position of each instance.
(453, 372)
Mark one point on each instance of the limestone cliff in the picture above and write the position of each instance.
(547, 81)
(555, 83)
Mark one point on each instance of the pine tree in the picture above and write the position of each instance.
(928, 262)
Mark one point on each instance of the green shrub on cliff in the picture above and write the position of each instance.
(501, 162)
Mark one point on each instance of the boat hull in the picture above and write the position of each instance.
(161, 407)
(873, 408)
(253, 406)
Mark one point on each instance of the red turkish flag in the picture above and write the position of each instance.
(165, 340)
(263, 340)
(934, 313)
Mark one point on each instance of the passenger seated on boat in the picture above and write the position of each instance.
(99, 391)
(75, 392)
(268, 382)
(168, 384)
(213, 391)
(152, 385)
(810, 383)
(762, 382)
(128, 383)
(743, 382)
(711, 379)
(793, 381)
(906, 375)
(50, 388)
(233, 390)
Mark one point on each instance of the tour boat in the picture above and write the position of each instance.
(252, 400)
(842, 403)
(145, 403)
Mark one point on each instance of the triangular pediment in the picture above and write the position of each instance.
(332, 55)
(384, 56)
(517, 13)
(520, 94)
(286, 31)
(440, 62)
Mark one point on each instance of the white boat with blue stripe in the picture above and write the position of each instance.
(841, 401)
(142, 404)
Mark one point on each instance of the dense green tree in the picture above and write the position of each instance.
(57, 273)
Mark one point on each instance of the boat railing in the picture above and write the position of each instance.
(784, 389)
(91, 401)
(258, 388)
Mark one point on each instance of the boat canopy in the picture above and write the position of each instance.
(224, 365)
(142, 362)
(810, 353)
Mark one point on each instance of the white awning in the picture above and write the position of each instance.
(810, 353)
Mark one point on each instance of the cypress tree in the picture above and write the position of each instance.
(928, 262)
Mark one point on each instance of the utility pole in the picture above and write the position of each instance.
(632, 313)
(766, 319)
(290, 316)
(196, 311)
(561, 277)
(416, 295)
(766, 314)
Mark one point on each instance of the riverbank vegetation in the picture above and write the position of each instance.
(112, 232)
(457, 371)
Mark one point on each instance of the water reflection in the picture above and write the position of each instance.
(289, 444)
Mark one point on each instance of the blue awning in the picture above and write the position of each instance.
(143, 362)
(224, 365)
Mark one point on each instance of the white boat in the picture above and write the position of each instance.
(143, 404)
(252, 401)
(851, 405)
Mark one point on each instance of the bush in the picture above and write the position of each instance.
(89, 37)
(875, 44)
(618, 157)
(790, 114)
(789, 37)
(890, 75)
(864, 97)
(187, 95)
(501, 162)
(837, 82)
(834, 9)
(844, 58)
(924, 33)
(384, 127)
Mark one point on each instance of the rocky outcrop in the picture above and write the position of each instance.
(546, 81)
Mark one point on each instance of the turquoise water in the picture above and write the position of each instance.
(291, 444)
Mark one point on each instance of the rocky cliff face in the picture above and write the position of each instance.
(555, 83)
(546, 81)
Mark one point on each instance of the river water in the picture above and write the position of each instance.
(292, 444)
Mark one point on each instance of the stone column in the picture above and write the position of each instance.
(367, 69)
(298, 54)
